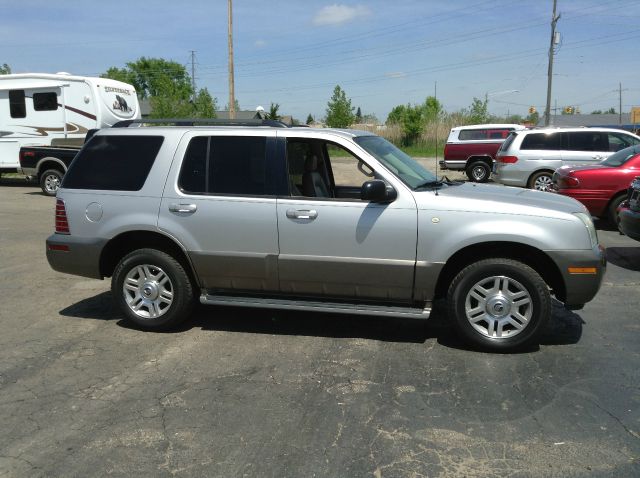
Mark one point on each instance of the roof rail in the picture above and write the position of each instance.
(200, 122)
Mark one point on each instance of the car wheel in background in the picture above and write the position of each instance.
(50, 181)
(541, 181)
(499, 304)
(152, 289)
(478, 172)
(612, 209)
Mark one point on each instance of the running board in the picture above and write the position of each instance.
(316, 306)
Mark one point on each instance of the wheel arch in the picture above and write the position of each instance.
(50, 162)
(480, 157)
(538, 171)
(124, 243)
(533, 257)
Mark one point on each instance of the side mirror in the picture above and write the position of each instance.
(377, 190)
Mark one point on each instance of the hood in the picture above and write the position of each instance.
(487, 198)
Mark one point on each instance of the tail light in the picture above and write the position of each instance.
(568, 182)
(62, 224)
(507, 159)
(444, 153)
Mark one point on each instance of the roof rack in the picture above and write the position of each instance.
(200, 122)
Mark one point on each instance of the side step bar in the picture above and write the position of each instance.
(316, 306)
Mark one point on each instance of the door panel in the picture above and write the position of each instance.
(349, 249)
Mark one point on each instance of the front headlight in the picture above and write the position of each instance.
(588, 223)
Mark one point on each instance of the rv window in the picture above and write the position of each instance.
(45, 101)
(17, 105)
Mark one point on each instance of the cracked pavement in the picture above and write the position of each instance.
(238, 393)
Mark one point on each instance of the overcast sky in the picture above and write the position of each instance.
(382, 53)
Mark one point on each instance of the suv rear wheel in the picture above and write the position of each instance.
(499, 304)
(152, 289)
(478, 171)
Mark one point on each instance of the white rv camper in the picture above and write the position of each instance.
(38, 108)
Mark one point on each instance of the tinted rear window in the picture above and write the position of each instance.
(507, 142)
(118, 163)
(541, 141)
(483, 134)
(225, 165)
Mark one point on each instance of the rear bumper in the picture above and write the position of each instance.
(76, 256)
(595, 201)
(509, 178)
(585, 278)
(630, 222)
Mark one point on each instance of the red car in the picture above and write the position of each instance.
(601, 187)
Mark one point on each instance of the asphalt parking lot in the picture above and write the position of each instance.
(281, 394)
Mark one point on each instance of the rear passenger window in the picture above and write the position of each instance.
(472, 134)
(587, 141)
(117, 163)
(225, 165)
(541, 141)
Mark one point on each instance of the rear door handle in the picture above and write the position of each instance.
(309, 214)
(183, 208)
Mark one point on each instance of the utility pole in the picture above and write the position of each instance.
(620, 106)
(193, 75)
(232, 95)
(554, 20)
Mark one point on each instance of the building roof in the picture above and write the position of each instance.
(603, 121)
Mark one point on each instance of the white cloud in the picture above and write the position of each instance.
(260, 44)
(337, 14)
(396, 74)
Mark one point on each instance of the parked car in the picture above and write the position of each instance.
(629, 211)
(529, 158)
(473, 148)
(314, 220)
(601, 187)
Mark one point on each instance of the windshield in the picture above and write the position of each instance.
(621, 157)
(402, 165)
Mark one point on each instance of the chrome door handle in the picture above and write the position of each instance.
(183, 208)
(310, 214)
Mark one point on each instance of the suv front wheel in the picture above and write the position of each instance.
(152, 289)
(499, 304)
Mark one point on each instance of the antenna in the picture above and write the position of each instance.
(435, 95)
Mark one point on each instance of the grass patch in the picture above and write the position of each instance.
(423, 150)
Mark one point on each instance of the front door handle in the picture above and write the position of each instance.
(183, 208)
(309, 214)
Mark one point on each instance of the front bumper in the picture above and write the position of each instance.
(76, 256)
(582, 274)
(630, 222)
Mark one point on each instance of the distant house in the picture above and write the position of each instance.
(603, 121)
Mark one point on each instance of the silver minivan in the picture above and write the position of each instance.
(529, 158)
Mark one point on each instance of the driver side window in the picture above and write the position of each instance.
(324, 170)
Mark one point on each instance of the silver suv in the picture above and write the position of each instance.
(528, 158)
(314, 220)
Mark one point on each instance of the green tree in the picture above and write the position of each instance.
(370, 118)
(339, 110)
(431, 108)
(235, 103)
(610, 111)
(533, 118)
(396, 115)
(273, 112)
(358, 115)
(168, 87)
(478, 111)
(5, 69)
(309, 119)
(413, 124)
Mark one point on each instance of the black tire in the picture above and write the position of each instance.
(478, 171)
(159, 288)
(50, 181)
(612, 214)
(517, 321)
(541, 181)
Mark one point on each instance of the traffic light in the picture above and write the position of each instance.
(532, 110)
(568, 110)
